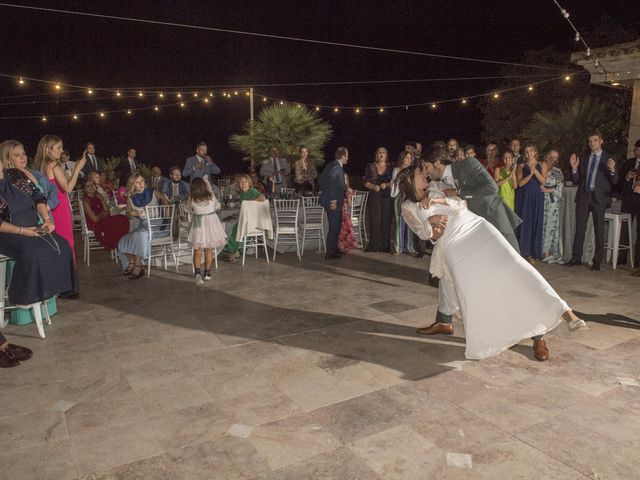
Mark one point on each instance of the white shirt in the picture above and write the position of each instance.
(447, 176)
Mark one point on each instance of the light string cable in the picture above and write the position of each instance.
(580, 38)
(277, 37)
(463, 99)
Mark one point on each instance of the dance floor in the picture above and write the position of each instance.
(312, 370)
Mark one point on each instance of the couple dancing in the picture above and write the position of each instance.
(475, 261)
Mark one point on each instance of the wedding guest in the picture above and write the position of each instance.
(44, 265)
(452, 148)
(629, 181)
(505, 177)
(66, 164)
(206, 232)
(402, 235)
(305, 172)
(530, 203)
(552, 190)
(459, 155)
(157, 181)
(247, 192)
(377, 179)
(257, 184)
(108, 229)
(176, 189)
(12, 155)
(48, 156)
(332, 192)
(514, 147)
(469, 151)
(595, 176)
(491, 161)
(346, 237)
(107, 184)
(93, 163)
(275, 171)
(128, 166)
(94, 177)
(134, 246)
(200, 165)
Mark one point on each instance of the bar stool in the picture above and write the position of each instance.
(613, 237)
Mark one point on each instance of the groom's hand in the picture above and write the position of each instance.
(437, 232)
(438, 220)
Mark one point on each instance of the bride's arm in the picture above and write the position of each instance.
(417, 219)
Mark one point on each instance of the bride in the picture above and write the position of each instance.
(474, 261)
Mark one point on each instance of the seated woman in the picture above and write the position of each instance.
(12, 155)
(108, 229)
(94, 177)
(44, 266)
(134, 246)
(247, 192)
(106, 184)
(474, 261)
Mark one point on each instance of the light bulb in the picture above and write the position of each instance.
(496, 95)
(161, 95)
(140, 94)
(128, 112)
(530, 87)
(577, 37)
(156, 108)
(381, 109)
(58, 86)
(264, 99)
(90, 91)
(101, 114)
(195, 94)
(464, 101)
(335, 110)
(206, 100)
(75, 117)
(433, 105)
(21, 81)
(182, 104)
(44, 119)
(118, 94)
(357, 110)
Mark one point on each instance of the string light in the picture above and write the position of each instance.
(118, 94)
(21, 81)
(90, 91)
(75, 117)
(357, 110)
(155, 108)
(128, 112)
(195, 94)
(381, 110)
(464, 101)
(530, 88)
(58, 86)
(161, 95)
(44, 119)
(336, 110)
(235, 93)
(211, 94)
(317, 109)
(182, 104)
(281, 102)
(567, 78)
(433, 106)
(206, 100)
(496, 95)
(264, 99)
(179, 95)
(140, 94)
(101, 114)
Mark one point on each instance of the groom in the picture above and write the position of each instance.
(482, 195)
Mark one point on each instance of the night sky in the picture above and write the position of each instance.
(109, 53)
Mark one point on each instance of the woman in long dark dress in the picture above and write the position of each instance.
(377, 179)
(44, 265)
(531, 176)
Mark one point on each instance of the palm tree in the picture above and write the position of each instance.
(287, 127)
(566, 128)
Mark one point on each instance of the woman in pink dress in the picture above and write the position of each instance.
(48, 157)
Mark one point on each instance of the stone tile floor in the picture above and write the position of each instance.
(312, 370)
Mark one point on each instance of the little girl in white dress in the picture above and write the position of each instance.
(206, 232)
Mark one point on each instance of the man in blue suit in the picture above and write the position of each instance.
(595, 176)
(176, 189)
(200, 165)
(332, 190)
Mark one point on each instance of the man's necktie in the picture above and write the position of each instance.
(592, 170)
(276, 167)
(93, 162)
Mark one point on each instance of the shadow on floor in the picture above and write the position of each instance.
(612, 319)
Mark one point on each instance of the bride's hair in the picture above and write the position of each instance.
(406, 185)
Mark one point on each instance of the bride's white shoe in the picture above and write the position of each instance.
(577, 324)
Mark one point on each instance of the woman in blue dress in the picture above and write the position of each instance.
(531, 177)
(134, 246)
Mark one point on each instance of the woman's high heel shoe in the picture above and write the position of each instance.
(577, 324)
(135, 276)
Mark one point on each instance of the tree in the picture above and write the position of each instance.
(567, 127)
(287, 127)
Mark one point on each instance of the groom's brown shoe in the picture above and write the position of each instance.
(540, 350)
(434, 328)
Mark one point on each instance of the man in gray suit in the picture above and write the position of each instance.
(475, 185)
(275, 171)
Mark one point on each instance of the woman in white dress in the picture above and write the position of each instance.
(474, 261)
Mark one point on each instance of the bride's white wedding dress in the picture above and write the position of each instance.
(501, 297)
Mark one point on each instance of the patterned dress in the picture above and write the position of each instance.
(550, 229)
(346, 238)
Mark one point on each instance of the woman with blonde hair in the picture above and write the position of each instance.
(247, 192)
(531, 175)
(48, 157)
(134, 246)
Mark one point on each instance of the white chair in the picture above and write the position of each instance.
(612, 246)
(363, 216)
(159, 227)
(74, 202)
(88, 237)
(286, 224)
(313, 223)
(37, 307)
(355, 212)
(121, 206)
(254, 238)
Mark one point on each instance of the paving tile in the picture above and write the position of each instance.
(43, 462)
(292, 440)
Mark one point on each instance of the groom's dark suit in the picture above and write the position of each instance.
(481, 193)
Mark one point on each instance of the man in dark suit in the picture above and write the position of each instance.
(629, 181)
(94, 164)
(595, 176)
(332, 190)
(128, 166)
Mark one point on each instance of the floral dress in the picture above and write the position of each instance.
(550, 229)
(346, 238)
